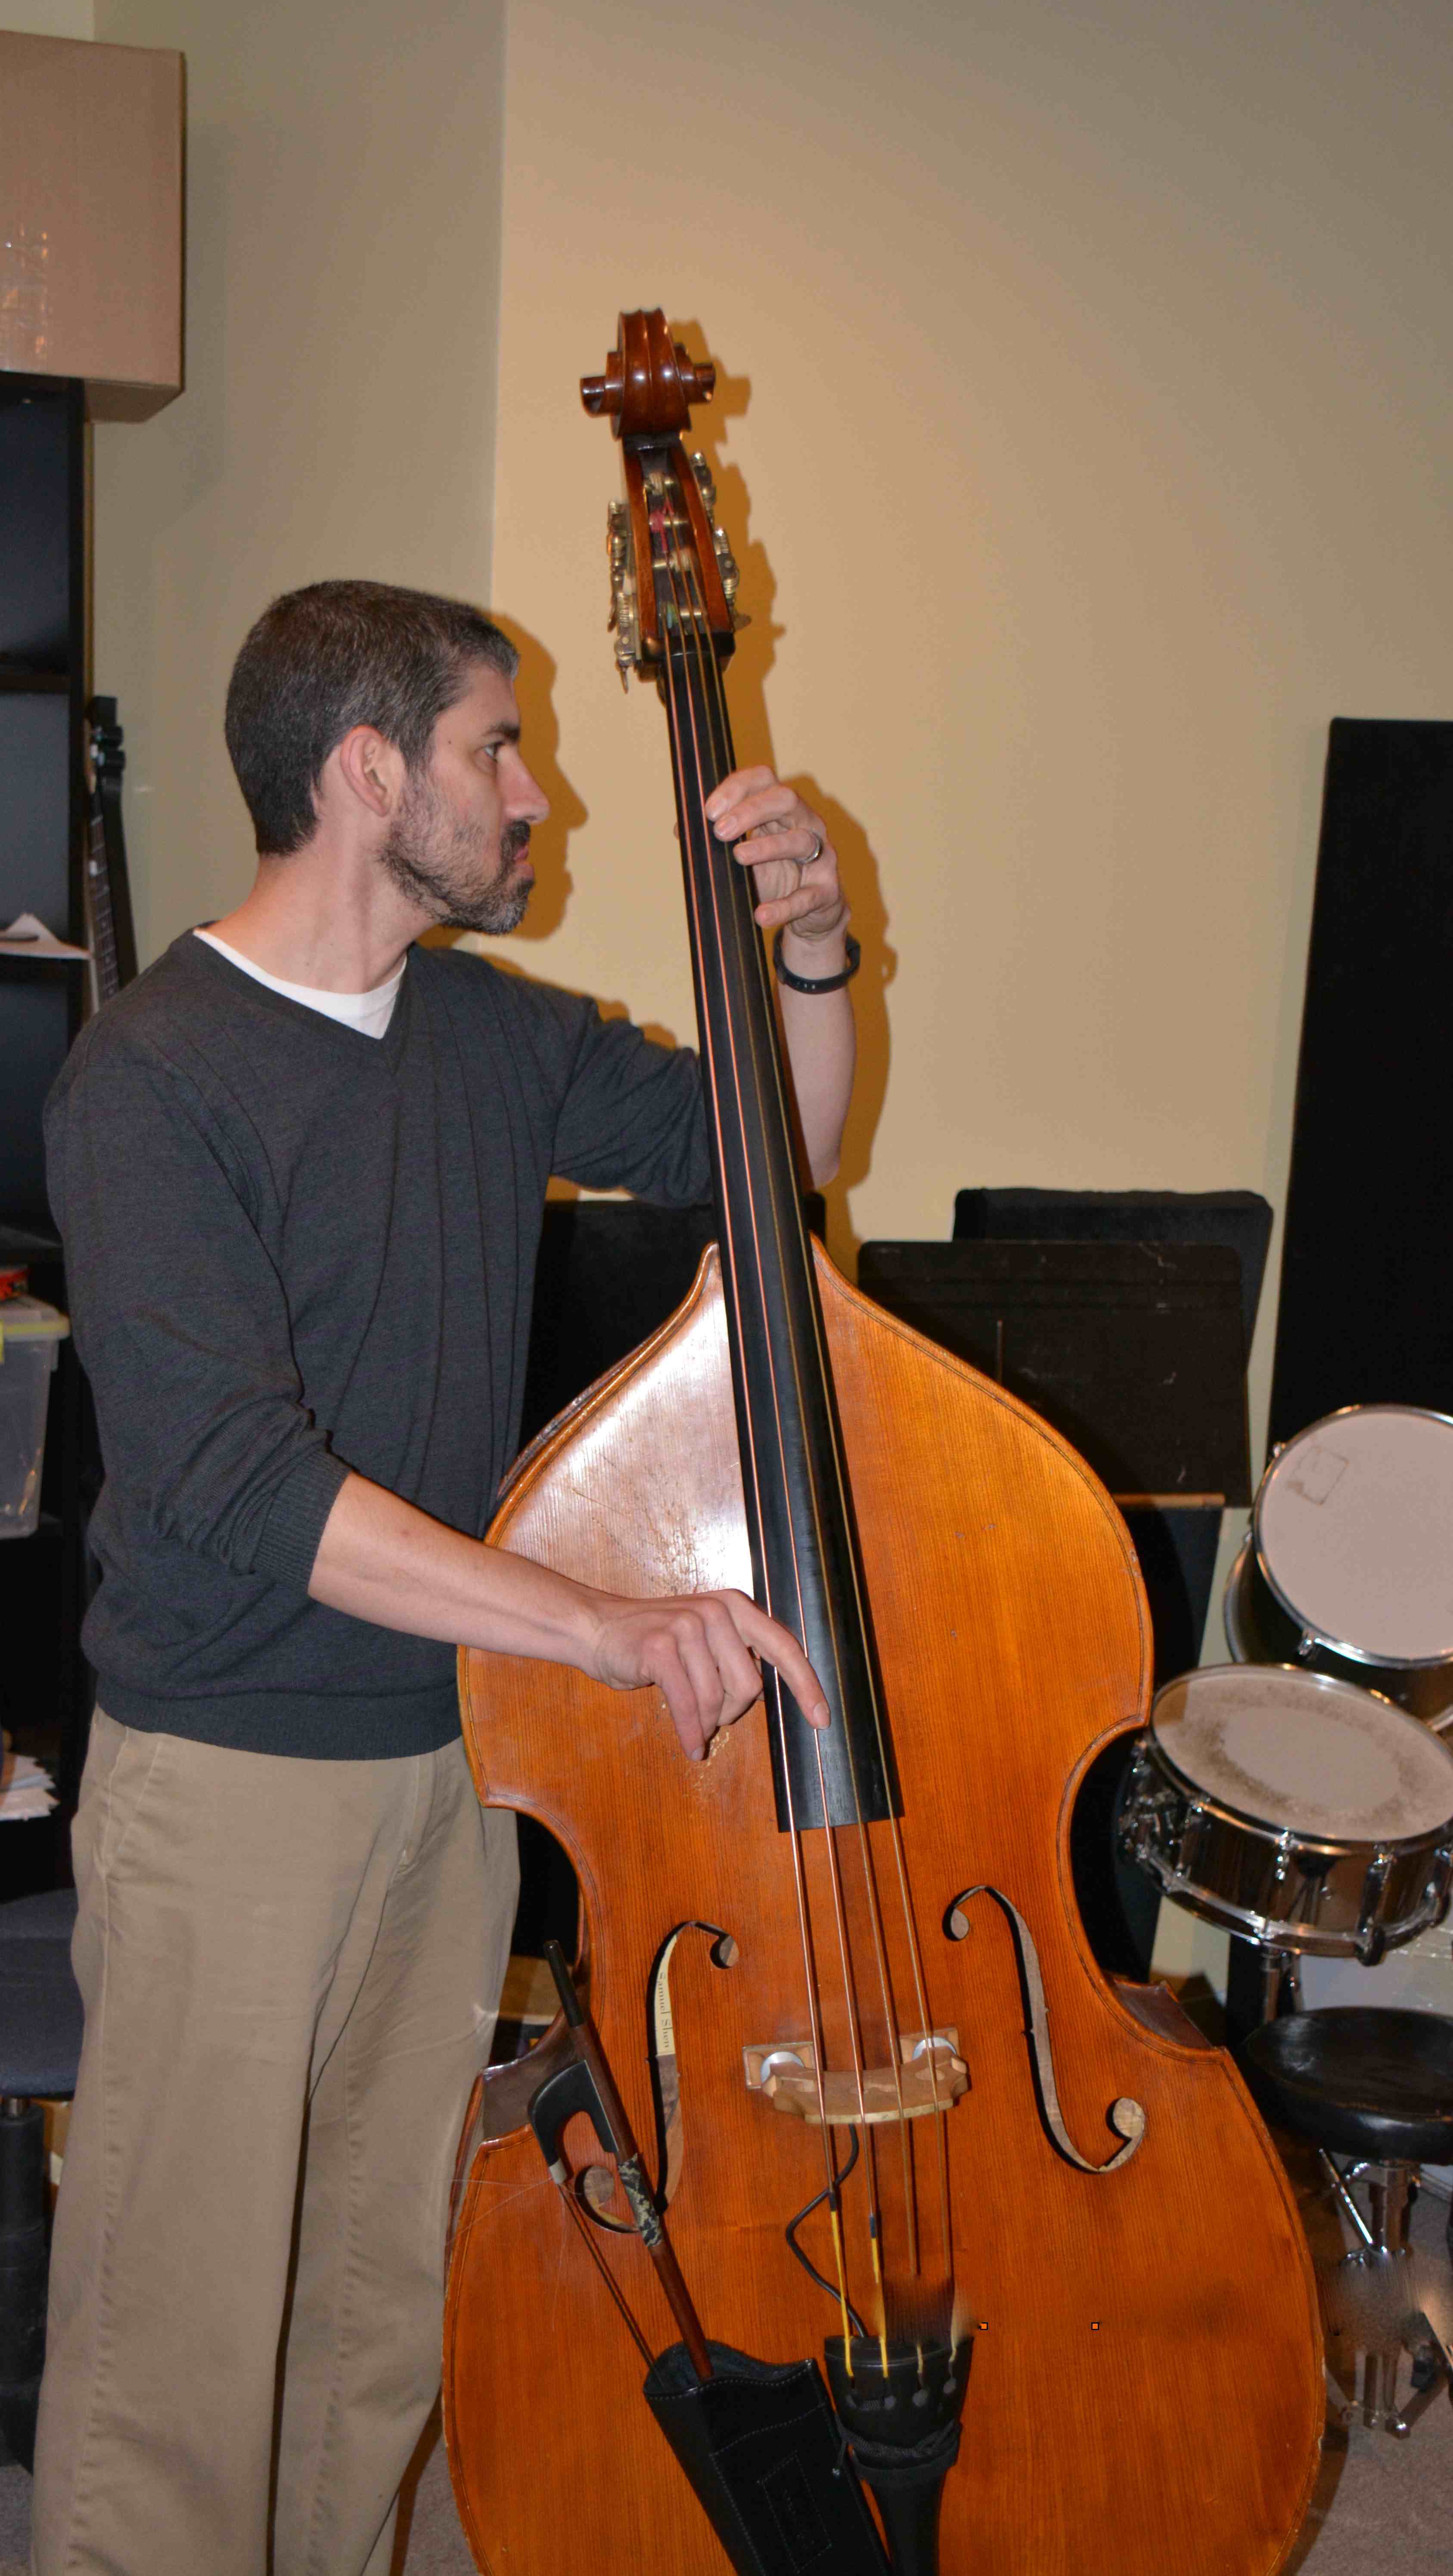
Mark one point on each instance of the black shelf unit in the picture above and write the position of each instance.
(42, 755)
(44, 1685)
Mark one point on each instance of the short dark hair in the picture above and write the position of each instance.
(339, 654)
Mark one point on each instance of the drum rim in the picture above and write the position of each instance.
(1285, 1932)
(1230, 1601)
(1431, 1839)
(1323, 1636)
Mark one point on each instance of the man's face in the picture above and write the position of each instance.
(459, 844)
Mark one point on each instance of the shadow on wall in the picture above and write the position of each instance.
(756, 651)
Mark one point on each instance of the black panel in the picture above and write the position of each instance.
(35, 472)
(35, 802)
(35, 1034)
(1133, 1351)
(1240, 1219)
(42, 786)
(45, 1691)
(1365, 1313)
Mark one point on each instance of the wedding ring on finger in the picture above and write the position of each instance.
(814, 854)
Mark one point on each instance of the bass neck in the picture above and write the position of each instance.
(805, 1556)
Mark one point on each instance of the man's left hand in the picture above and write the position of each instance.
(772, 831)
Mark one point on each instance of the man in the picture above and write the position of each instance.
(300, 1167)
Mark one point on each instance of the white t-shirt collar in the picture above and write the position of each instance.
(370, 1013)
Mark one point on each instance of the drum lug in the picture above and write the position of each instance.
(1312, 1867)
(1149, 1812)
(1371, 1936)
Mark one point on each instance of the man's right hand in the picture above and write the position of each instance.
(700, 1650)
(380, 1559)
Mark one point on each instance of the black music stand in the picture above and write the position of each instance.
(1239, 1219)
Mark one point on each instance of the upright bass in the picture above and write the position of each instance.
(894, 2114)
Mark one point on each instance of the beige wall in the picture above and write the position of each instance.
(1086, 427)
(1083, 435)
(342, 320)
(74, 18)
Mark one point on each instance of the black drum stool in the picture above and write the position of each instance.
(1376, 2086)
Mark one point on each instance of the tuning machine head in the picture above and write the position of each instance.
(726, 562)
(624, 621)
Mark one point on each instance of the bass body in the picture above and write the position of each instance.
(1146, 2388)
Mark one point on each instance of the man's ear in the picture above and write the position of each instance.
(369, 770)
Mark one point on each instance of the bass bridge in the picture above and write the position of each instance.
(930, 2076)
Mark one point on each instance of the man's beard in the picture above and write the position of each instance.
(434, 860)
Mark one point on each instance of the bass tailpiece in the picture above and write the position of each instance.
(904, 2431)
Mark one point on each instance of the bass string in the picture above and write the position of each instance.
(693, 627)
(680, 684)
(713, 681)
(742, 1041)
(751, 1463)
(707, 705)
(687, 715)
(750, 958)
(747, 946)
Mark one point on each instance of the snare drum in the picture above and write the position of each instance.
(1347, 1567)
(1293, 1808)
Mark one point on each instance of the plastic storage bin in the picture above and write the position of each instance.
(30, 1335)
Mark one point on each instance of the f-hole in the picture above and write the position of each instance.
(661, 2052)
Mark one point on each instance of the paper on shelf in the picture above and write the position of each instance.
(25, 1789)
(28, 936)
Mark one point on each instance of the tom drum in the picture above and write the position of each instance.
(1347, 1567)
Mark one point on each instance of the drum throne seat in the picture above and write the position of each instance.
(1374, 2085)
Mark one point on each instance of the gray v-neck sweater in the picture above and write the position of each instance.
(292, 1249)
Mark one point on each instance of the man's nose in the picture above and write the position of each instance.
(529, 804)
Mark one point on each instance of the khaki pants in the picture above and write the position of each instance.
(290, 1972)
